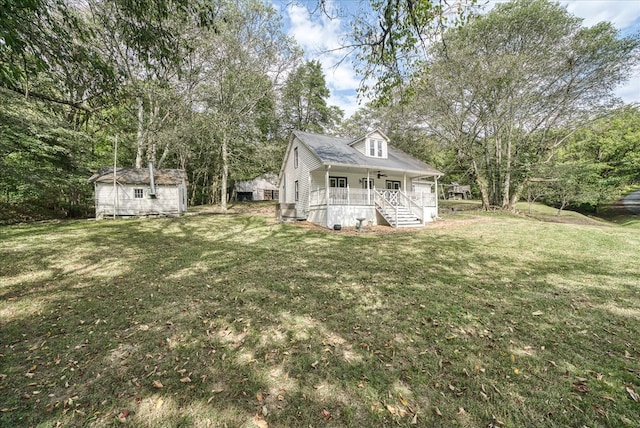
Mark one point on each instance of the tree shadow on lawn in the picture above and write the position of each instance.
(230, 320)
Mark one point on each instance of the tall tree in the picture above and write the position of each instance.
(304, 101)
(498, 87)
(241, 64)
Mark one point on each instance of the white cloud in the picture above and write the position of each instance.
(621, 13)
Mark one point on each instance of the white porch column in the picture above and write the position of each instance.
(436, 178)
(368, 189)
(326, 189)
(404, 184)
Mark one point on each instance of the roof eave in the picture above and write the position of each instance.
(419, 172)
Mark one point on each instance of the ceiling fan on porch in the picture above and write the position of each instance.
(380, 174)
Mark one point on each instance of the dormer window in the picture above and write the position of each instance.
(376, 148)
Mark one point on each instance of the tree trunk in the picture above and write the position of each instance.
(140, 133)
(482, 184)
(225, 174)
(515, 196)
(506, 201)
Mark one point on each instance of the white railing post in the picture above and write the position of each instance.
(397, 215)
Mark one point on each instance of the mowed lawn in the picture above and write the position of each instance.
(481, 320)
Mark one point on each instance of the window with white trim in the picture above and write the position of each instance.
(393, 185)
(295, 157)
(376, 148)
(296, 190)
(138, 193)
(337, 181)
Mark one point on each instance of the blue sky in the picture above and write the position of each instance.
(320, 37)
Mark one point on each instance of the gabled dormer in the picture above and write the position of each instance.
(373, 145)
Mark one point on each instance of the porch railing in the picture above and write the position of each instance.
(349, 196)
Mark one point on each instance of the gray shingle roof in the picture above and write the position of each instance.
(337, 151)
(139, 176)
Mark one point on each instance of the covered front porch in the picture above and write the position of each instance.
(346, 206)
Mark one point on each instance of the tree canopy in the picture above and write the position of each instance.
(507, 89)
(518, 96)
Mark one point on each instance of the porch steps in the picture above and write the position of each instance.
(405, 217)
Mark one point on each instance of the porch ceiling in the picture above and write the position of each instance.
(350, 169)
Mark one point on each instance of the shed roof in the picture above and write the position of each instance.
(139, 176)
(339, 151)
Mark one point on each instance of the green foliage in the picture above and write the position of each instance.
(597, 164)
(507, 89)
(304, 101)
(45, 163)
(187, 84)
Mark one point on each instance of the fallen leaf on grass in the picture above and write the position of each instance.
(402, 400)
(537, 313)
(326, 414)
(185, 379)
(599, 410)
(414, 421)
(122, 417)
(580, 387)
(437, 411)
(259, 422)
(634, 395)
(157, 384)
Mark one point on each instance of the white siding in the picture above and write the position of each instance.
(421, 186)
(361, 146)
(257, 186)
(307, 162)
(347, 215)
(373, 138)
(169, 200)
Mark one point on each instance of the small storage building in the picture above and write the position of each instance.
(140, 192)
(262, 188)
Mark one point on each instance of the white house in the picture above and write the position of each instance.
(140, 191)
(262, 188)
(346, 181)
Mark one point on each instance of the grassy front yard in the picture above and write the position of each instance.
(231, 320)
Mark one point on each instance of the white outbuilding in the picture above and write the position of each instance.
(139, 192)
